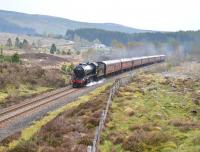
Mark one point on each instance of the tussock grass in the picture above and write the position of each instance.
(165, 116)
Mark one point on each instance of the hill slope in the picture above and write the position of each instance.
(55, 25)
(6, 26)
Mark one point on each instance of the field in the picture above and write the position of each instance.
(46, 61)
(45, 42)
(156, 112)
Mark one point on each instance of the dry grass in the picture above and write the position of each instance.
(117, 138)
(139, 138)
(15, 75)
(184, 125)
(145, 127)
(25, 147)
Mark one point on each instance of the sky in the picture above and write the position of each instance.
(160, 15)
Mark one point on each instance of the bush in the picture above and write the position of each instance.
(78, 52)
(63, 52)
(67, 68)
(69, 52)
(53, 49)
(116, 138)
(15, 58)
(85, 140)
(140, 139)
(184, 125)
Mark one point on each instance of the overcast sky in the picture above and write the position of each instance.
(164, 15)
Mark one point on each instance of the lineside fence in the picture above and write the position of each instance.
(120, 82)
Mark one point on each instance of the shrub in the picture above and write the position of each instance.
(140, 138)
(184, 125)
(145, 127)
(53, 48)
(67, 68)
(63, 52)
(134, 142)
(78, 52)
(69, 52)
(116, 138)
(85, 140)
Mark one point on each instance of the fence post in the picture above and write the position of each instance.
(95, 140)
(89, 149)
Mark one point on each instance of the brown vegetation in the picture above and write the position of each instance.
(137, 141)
(184, 125)
(73, 130)
(13, 76)
(16, 74)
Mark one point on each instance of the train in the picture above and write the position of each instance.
(85, 73)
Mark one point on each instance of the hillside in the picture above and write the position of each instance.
(6, 26)
(106, 37)
(54, 25)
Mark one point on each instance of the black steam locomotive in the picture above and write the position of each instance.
(87, 72)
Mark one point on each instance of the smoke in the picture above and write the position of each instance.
(134, 50)
(176, 51)
(95, 83)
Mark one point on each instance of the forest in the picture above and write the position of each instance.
(106, 37)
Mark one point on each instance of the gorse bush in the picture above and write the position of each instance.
(67, 68)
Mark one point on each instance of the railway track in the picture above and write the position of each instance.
(28, 105)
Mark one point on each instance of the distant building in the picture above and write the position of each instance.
(99, 46)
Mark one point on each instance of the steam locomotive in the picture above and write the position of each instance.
(84, 73)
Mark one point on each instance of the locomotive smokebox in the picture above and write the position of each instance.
(82, 70)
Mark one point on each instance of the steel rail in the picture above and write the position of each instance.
(17, 110)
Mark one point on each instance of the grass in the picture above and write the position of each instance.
(23, 91)
(28, 133)
(151, 114)
(27, 89)
(2, 97)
